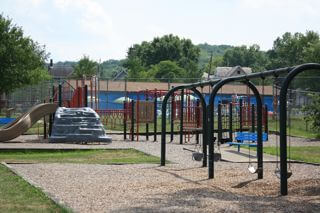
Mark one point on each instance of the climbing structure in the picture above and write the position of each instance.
(77, 125)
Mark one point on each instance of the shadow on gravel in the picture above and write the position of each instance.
(217, 200)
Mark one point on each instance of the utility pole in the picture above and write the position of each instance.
(209, 71)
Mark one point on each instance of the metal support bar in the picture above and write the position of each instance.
(181, 116)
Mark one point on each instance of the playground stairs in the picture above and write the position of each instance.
(77, 125)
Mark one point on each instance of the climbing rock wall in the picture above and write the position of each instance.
(77, 125)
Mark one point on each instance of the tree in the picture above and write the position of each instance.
(85, 68)
(245, 56)
(22, 60)
(313, 112)
(167, 71)
(167, 48)
(292, 49)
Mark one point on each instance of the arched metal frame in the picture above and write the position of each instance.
(293, 71)
(283, 122)
(204, 120)
(211, 123)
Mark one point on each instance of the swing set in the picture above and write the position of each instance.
(208, 138)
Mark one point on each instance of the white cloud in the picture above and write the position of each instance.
(93, 17)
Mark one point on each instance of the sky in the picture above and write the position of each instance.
(105, 29)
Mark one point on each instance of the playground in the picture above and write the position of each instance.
(179, 187)
(212, 153)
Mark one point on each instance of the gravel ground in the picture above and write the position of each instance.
(179, 187)
(174, 188)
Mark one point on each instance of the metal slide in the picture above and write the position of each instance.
(25, 121)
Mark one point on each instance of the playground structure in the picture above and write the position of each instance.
(208, 130)
(61, 95)
(25, 121)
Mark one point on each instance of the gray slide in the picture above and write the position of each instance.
(25, 121)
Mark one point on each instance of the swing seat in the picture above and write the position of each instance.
(277, 173)
(197, 156)
(252, 170)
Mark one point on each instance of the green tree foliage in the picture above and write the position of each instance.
(22, 60)
(313, 112)
(295, 49)
(141, 57)
(167, 70)
(206, 50)
(85, 68)
(245, 56)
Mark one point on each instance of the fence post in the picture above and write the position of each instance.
(147, 123)
(125, 111)
(253, 117)
(230, 121)
(44, 125)
(266, 120)
(155, 118)
(50, 121)
(240, 115)
(132, 120)
(85, 96)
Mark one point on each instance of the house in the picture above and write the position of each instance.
(61, 71)
(120, 75)
(224, 72)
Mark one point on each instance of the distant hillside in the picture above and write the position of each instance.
(206, 49)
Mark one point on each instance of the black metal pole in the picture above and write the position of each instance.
(172, 118)
(219, 123)
(85, 95)
(197, 118)
(155, 119)
(253, 119)
(181, 116)
(230, 122)
(60, 95)
(266, 120)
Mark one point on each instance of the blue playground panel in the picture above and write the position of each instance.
(107, 99)
(6, 120)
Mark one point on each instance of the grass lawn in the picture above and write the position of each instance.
(298, 128)
(16, 195)
(107, 156)
(309, 154)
